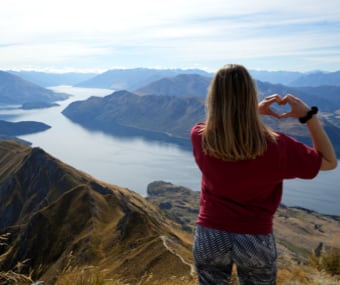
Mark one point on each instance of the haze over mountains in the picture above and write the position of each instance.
(47, 79)
(298, 79)
(131, 79)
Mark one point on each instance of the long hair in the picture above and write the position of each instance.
(233, 128)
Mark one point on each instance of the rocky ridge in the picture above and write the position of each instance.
(58, 220)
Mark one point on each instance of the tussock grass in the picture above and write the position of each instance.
(12, 277)
(328, 261)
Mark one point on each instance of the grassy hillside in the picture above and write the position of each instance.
(56, 221)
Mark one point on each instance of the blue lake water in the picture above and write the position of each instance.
(135, 162)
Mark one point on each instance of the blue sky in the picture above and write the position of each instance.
(87, 35)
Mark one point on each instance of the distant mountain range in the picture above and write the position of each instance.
(135, 78)
(298, 79)
(16, 91)
(48, 79)
(56, 220)
(132, 79)
(183, 85)
(173, 116)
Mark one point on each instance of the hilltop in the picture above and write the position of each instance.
(58, 220)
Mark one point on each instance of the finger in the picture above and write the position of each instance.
(289, 98)
(275, 97)
(270, 100)
(273, 114)
(285, 115)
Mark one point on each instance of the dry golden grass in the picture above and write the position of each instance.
(328, 262)
(12, 277)
(296, 275)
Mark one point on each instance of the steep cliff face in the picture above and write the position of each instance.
(58, 218)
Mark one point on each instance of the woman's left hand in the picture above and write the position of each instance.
(264, 106)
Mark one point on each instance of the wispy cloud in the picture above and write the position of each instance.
(261, 34)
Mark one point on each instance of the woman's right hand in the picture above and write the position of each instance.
(298, 107)
(320, 139)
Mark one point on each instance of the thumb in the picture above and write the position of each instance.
(285, 115)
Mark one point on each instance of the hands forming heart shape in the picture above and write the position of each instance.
(297, 107)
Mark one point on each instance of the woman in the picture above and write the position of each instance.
(243, 164)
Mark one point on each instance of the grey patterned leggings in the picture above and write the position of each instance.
(216, 251)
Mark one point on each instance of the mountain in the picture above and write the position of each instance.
(132, 79)
(298, 79)
(318, 79)
(169, 116)
(327, 98)
(48, 79)
(190, 85)
(276, 77)
(21, 128)
(194, 85)
(14, 90)
(57, 221)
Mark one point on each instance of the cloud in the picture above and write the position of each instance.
(183, 33)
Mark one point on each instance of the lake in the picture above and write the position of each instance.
(135, 162)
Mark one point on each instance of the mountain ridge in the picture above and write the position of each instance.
(41, 198)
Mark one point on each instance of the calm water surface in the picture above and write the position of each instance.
(134, 162)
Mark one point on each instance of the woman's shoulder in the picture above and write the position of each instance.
(196, 133)
(290, 145)
(197, 128)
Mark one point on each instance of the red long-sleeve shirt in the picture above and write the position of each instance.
(242, 196)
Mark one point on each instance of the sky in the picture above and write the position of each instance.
(98, 35)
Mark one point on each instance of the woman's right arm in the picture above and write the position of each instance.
(321, 141)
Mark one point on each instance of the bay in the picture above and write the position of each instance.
(135, 162)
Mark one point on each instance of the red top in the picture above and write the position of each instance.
(242, 196)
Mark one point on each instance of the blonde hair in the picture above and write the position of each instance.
(233, 129)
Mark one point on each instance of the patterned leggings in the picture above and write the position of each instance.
(216, 251)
